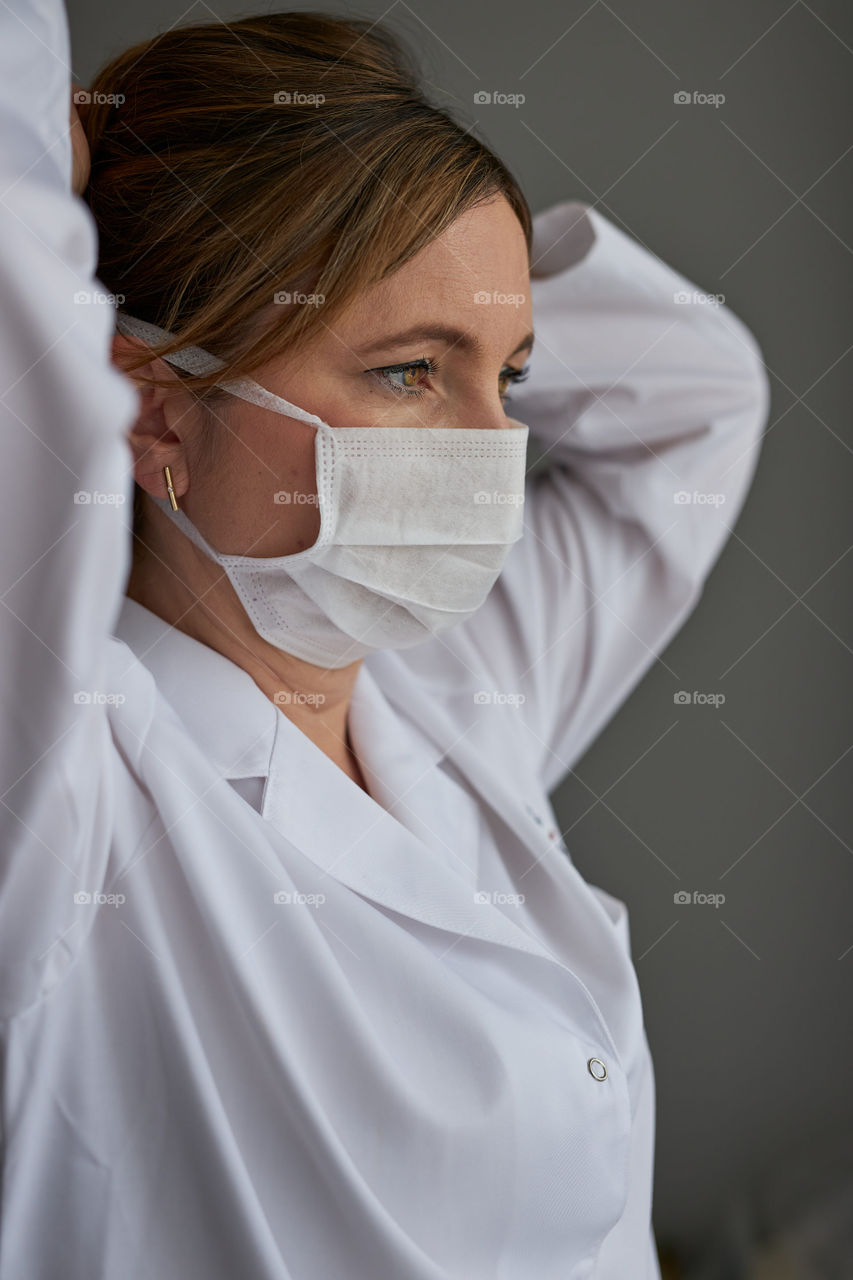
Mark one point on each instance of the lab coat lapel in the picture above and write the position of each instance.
(455, 738)
(366, 848)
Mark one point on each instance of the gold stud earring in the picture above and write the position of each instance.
(167, 473)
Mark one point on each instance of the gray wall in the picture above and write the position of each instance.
(748, 1006)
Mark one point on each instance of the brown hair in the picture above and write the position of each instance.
(220, 180)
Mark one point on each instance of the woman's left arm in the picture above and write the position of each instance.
(648, 400)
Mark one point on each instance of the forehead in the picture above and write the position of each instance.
(475, 275)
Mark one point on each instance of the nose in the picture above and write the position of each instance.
(491, 419)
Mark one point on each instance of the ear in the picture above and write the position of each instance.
(163, 431)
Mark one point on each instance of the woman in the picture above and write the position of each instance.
(298, 978)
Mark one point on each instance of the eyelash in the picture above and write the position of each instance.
(431, 367)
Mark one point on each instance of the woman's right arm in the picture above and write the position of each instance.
(65, 498)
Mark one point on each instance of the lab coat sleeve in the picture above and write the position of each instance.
(63, 557)
(648, 403)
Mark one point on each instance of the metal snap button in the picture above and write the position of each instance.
(597, 1069)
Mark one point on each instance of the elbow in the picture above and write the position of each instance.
(748, 370)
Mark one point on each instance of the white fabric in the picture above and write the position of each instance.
(204, 1082)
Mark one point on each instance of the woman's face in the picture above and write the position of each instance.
(473, 281)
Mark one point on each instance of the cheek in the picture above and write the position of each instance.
(269, 475)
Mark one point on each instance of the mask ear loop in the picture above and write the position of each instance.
(197, 360)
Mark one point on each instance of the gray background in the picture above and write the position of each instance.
(748, 1006)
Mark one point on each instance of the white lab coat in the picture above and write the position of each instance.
(257, 1022)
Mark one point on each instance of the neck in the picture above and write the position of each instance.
(177, 581)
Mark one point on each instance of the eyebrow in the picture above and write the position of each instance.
(441, 333)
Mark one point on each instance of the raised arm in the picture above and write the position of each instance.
(65, 488)
(648, 401)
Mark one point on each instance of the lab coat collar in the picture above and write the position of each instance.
(232, 719)
(219, 703)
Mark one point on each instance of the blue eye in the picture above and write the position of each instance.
(427, 367)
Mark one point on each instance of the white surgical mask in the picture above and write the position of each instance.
(415, 526)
